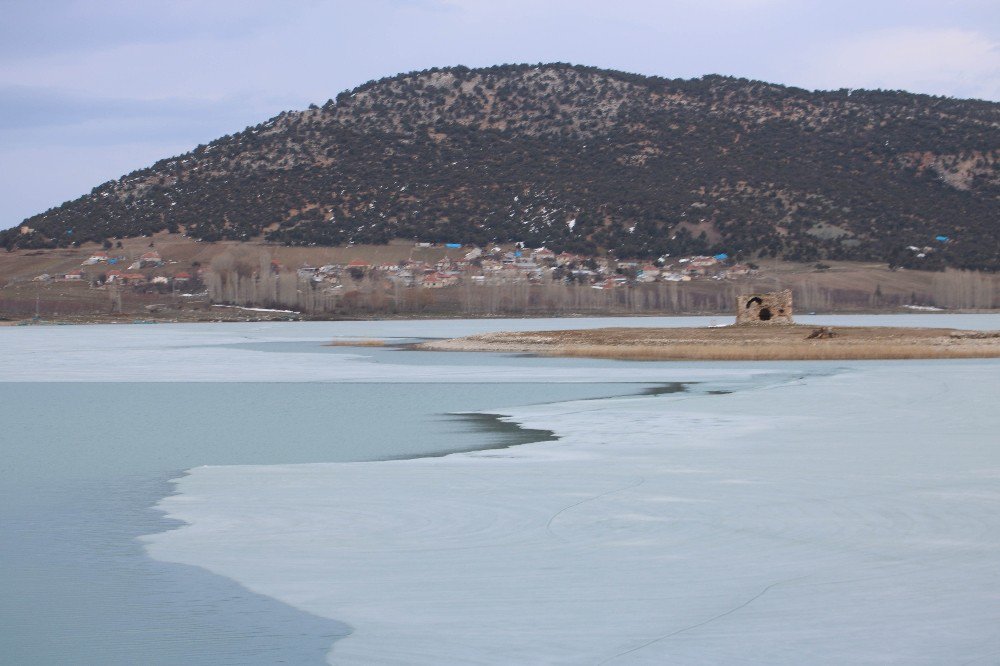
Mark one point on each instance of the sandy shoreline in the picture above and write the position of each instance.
(736, 343)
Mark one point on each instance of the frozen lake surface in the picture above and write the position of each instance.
(770, 513)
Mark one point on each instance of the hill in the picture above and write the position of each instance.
(583, 160)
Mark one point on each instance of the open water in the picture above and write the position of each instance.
(85, 462)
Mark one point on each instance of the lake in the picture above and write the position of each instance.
(99, 420)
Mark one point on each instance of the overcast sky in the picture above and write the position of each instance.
(92, 89)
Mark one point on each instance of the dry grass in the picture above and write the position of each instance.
(819, 351)
(737, 344)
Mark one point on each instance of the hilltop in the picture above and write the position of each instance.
(582, 160)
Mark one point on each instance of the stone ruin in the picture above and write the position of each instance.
(770, 308)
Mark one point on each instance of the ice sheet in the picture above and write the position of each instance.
(849, 517)
(212, 352)
(195, 352)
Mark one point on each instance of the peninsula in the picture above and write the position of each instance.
(737, 343)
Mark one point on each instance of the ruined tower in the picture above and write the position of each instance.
(769, 308)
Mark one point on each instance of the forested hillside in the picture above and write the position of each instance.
(584, 160)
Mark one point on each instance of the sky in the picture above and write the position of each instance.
(93, 89)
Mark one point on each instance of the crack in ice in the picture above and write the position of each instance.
(704, 622)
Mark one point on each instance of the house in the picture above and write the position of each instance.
(437, 280)
(73, 275)
(98, 257)
(151, 258)
(700, 265)
(359, 265)
(702, 262)
(648, 273)
(182, 278)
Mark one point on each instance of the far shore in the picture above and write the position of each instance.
(235, 314)
(737, 343)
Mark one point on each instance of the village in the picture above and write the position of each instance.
(97, 271)
(174, 277)
(469, 265)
